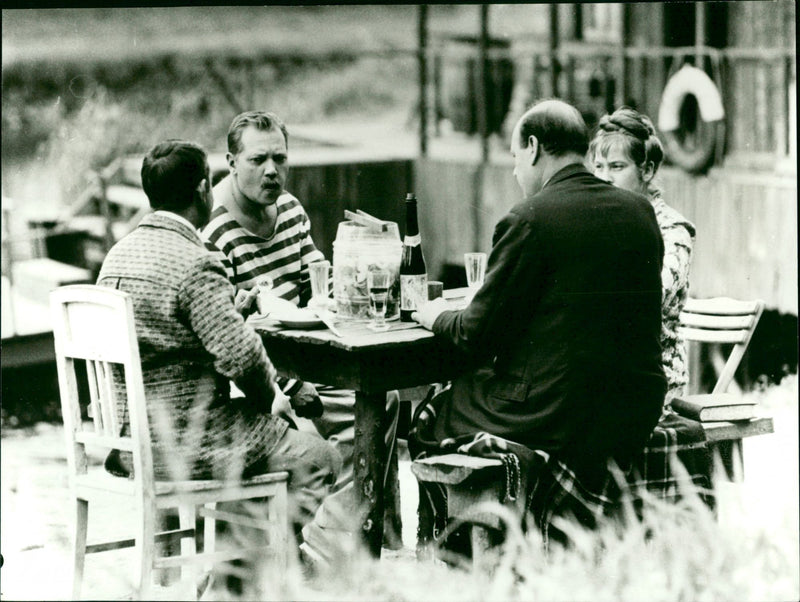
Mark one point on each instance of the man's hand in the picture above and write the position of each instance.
(306, 402)
(244, 301)
(428, 312)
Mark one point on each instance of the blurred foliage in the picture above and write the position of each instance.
(26, 126)
(105, 33)
(80, 86)
(100, 113)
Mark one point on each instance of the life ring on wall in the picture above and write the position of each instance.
(690, 119)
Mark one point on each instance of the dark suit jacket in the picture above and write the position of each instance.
(567, 323)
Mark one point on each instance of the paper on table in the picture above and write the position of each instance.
(327, 320)
(395, 326)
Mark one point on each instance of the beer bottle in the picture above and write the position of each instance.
(413, 276)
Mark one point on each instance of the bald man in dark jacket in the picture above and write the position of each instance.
(567, 322)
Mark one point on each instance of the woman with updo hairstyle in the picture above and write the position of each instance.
(626, 152)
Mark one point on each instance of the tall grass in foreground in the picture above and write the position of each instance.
(677, 552)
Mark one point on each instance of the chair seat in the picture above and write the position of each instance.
(470, 481)
(451, 468)
(168, 487)
(99, 479)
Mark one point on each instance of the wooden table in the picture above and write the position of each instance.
(371, 364)
(725, 439)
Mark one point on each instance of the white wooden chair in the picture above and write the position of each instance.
(94, 327)
(716, 321)
(721, 320)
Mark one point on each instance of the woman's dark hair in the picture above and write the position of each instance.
(261, 121)
(171, 171)
(558, 126)
(635, 131)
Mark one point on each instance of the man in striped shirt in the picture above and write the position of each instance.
(263, 232)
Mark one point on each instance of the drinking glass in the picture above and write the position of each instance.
(475, 264)
(264, 291)
(319, 273)
(378, 283)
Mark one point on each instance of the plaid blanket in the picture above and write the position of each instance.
(676, 462)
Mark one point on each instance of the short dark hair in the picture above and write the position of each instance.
(261, 120)
(636, 132)
(171, 171)
(557, 125)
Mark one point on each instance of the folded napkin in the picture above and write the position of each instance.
(273, 306)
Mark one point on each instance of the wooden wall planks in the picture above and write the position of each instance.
(746, 244)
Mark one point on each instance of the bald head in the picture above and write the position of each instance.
(550, 136)
(557, 126)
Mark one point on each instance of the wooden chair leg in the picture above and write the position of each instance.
(480, 542)
(145, 551)
(737, 460)
(730, 453)
(279, 517)
(209, 535)
(79, 546)
(189, 570)
(425, 525)
(167, 520)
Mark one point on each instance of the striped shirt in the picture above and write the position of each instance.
(249, 258)
(283, 257)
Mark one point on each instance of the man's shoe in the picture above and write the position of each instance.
(310, 563)
(325, 547)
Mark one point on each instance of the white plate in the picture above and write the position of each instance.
(300, 323)
(293, 318)
(296, 318)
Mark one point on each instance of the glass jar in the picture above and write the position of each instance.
(356, 251)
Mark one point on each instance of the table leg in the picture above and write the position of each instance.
(369, 466)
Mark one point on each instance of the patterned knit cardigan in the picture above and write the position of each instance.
(191, 342)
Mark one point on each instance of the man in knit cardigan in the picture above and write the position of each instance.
(193, 341)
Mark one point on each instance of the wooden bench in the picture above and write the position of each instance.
(471, 481)
(725, 439)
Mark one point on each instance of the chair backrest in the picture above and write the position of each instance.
(721, 320)
(94, 334)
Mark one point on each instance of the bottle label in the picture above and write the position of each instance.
(412, 241)
(413, 291)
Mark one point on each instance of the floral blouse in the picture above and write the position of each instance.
(678, 234)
